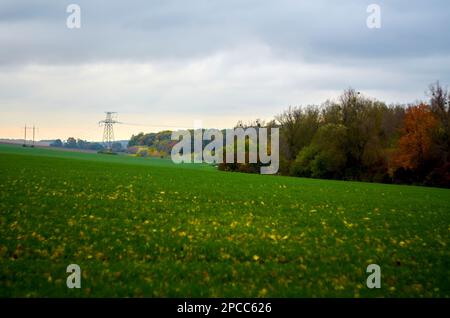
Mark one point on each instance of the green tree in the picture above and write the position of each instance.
(325, 157)
(56, 143)
(71, 143)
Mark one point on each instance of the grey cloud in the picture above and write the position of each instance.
(35, 32)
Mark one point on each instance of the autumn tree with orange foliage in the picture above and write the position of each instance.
(415, 146)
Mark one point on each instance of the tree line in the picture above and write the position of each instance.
(73, 143)
(357, 138)
(151, 144)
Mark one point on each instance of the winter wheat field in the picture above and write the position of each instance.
(149, 228)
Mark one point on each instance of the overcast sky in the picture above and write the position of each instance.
(168, 63)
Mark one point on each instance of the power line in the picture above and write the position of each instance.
(154, 126)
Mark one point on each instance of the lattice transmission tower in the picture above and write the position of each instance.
(108, 131)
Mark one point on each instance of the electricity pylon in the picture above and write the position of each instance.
(108, 131)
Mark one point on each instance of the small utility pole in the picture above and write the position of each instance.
(25, 137)
(33, 135)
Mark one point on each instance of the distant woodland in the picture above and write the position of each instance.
(352, 138)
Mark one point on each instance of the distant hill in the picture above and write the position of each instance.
(46, 143)
(40, 143)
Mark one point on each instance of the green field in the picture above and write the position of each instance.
(146, 227)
